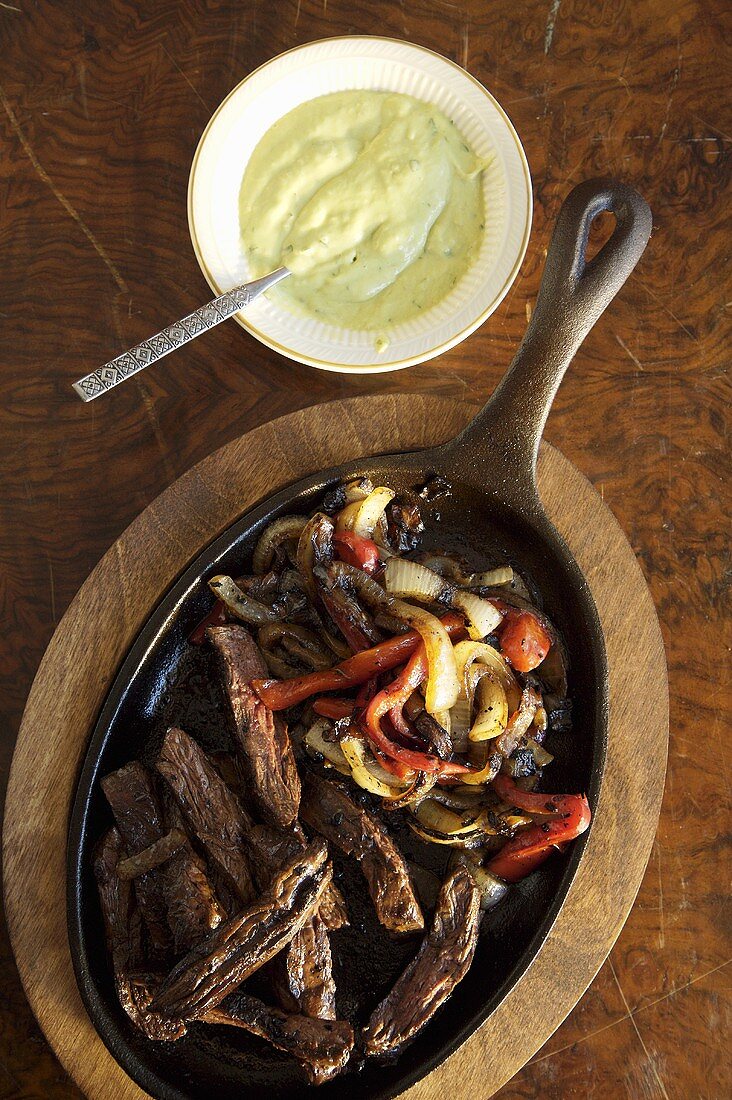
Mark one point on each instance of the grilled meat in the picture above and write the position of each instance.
(176, 896)
(211, 811)
(123, 929)
(441, 962)
(242, 944)
(194, 908)
(271, 848)
(136, 810)
(302, 974)
(323, 1046)
(262, 742)
(328, 809)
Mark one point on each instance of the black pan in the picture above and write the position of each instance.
(494, 512)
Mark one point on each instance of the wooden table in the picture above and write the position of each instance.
(102, 107)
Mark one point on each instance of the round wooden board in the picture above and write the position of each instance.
(109, 610)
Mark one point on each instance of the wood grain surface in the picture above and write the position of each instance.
(101, 107)
(87, 648)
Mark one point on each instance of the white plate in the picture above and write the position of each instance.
(334, 65)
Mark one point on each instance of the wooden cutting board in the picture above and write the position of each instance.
(114, 603)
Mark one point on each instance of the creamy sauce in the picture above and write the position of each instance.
(372, 199)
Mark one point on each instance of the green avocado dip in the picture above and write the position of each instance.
(372, 199)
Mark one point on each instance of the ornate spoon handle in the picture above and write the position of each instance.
(162, 343)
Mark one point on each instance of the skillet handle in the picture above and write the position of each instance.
(504, 436)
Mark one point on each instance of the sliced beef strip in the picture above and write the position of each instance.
(213, 814)
(136, 810)
(176, 897)
(122, 926)
(328, 810)
(302, 975)
(333, 911)
(194, 910)
(227, 767)
(263, 744)
(323, 1046)
(271, 848)
(442, 961)
(210, 971)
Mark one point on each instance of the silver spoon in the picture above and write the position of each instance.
(162, 343)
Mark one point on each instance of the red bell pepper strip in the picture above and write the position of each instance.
(280, 694)
(396, 767)
(334, 708)
(529, 801)
(392, 699)
(215, 617)
(358, 551)
(366, 692)
(524, 852)
(524, 641)
(353, 634)
(399, 722)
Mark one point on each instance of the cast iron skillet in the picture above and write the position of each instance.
(494, 512)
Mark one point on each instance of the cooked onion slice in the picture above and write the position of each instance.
(371, 510)
(482, 615)
(416, 582)
(435, 823)
(357, 490)
(519, 721)
(468, 652)
(347, 516)
(241, 605)
(422, 784)
(296, 640)
(460, 722)
(330, 750)
(442, 678)
(492, 708)
(492, 889)
(315, 547)
(434, 816)
(487, 760)
(284, 528)
(541, 756)
(367, 773)
(491, 579)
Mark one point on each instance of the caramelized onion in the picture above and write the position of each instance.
(413, 581)
(442, 679)
(240, 604)
(315, 547)
(296, 640)
(369, 775)
(482, 615)
(284, 528)
(371, 510)
(492, 709)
